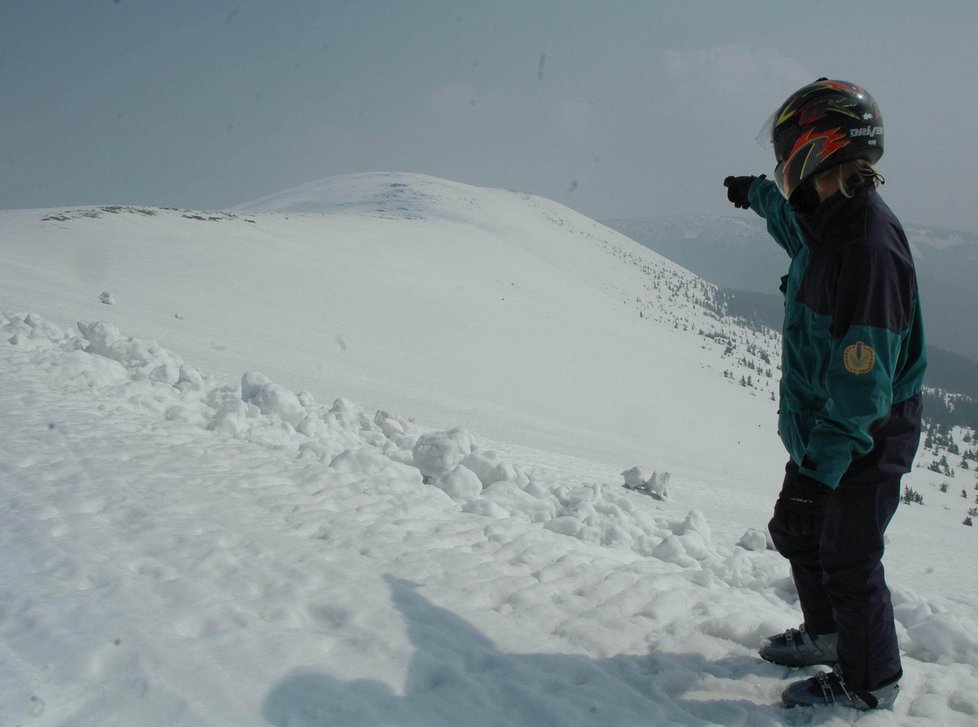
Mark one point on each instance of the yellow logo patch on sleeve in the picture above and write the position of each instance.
(859, 358)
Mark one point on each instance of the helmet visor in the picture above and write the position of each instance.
(765, 136)
(779, 180)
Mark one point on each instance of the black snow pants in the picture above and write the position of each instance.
(839, 575)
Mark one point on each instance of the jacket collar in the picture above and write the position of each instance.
(822, 225)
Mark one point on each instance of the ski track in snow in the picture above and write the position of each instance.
(180, 550)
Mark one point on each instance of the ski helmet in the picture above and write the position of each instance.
(820, 126)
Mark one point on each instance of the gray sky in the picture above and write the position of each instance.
(615, 108)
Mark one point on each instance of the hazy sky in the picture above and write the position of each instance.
(616, 108)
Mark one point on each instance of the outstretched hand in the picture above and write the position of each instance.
(737, 189)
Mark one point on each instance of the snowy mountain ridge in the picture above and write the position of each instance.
(506, 261)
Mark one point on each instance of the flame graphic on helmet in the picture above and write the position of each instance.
(823, 144)
(818, 108)
(812, 149)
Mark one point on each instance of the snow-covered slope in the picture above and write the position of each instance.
(429, 297)
(359, 464)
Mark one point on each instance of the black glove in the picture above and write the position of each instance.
(737, 188)
(800, 509)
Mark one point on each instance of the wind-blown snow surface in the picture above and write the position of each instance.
(188, 541)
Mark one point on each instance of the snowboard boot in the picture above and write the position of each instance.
(797, 647)
(828, 688)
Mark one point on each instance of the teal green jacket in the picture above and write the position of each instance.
(853, 356)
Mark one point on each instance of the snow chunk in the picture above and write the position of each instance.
(634, 477)
(251, 384)
(389, 424)
(490, 468)
(754, 539)
(231, 414)
(190, 379)
(460, 484)
(350, 416)
(101, 337)
(437, 453)
(671, 550)
(271, 399)
(657, 484)
(696, 523)
(166, 373)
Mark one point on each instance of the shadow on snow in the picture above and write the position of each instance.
(457, 676)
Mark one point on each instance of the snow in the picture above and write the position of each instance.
(356, 455)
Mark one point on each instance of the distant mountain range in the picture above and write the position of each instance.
(737, 254)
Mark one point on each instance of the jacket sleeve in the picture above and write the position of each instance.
(767, 201)
(873, 304)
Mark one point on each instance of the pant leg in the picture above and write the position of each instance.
(839, 575)
(803, 552)
(851, 551)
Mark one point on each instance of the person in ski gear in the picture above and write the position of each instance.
(852, 371)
